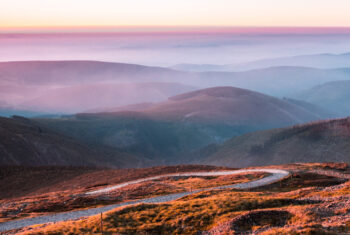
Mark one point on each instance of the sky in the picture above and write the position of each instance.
(166, 49)
(16, 14)
(168, 32)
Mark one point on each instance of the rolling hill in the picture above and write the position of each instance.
(80, 72)
(334, 96)
(233, 106)
(324, 141)
(168, 130)
(25, 143)
(85, 85)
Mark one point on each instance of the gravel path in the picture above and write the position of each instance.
(275, 176)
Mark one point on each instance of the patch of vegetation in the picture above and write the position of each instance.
(302, 180)
(179, 217)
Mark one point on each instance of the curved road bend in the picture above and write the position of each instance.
(276, 175)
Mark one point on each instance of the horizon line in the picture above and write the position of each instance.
(176, 29)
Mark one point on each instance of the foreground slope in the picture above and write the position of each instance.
(323, 141)
(309, 199)
(23, 142)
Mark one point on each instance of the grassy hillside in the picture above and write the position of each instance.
(303, 203)
(22, 181)
(323, 141)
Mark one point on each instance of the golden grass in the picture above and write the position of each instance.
(207, 210)
(198, 182)
(184, 216)
(65, 201)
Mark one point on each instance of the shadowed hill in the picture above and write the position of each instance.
(23, 142)
(325, 141)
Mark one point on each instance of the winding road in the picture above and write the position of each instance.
(276, 175)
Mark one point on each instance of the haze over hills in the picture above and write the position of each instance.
(334, 96)
(324, 141)
(55, 85)
(276, 81)
(322, 61)
(80, 72)
(322, 113)
(185, 123)
(79, 98)
(74, 86)
(24, 142)
(131, 107)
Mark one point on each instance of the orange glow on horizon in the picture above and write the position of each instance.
(102, 14)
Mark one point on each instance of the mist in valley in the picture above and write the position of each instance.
(173, 97)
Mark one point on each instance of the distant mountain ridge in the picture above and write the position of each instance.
(322, 61)
(51, 85)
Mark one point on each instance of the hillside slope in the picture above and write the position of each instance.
(334, 96)
(159, 140)
(325, 141)
(23, 142)
(167, 131)
(233, 106)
